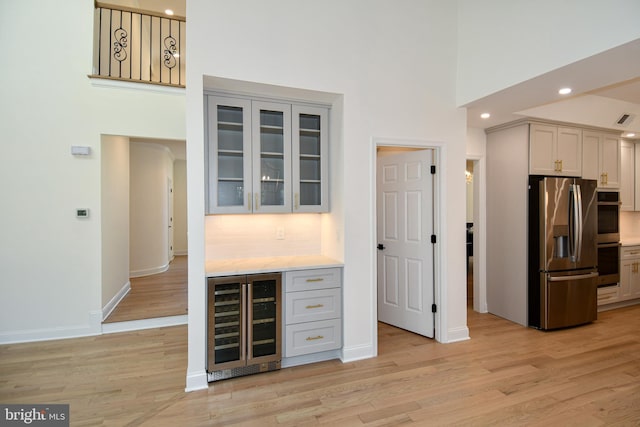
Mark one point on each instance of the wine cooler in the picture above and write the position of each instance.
(243, 325)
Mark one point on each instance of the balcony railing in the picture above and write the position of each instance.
(139, 46)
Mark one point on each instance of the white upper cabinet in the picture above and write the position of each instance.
(310, 168)
(627, 172)
(266, 157)
(630, 175)
(555, 150)
(229, 155)
(601, 158)
(271, 146)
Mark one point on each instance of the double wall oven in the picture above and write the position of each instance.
(608, 238)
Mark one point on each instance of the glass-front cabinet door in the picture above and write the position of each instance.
(264, 324)
(266, 157)
(226, 323)
(229, 156)
(310, 163)
(271, 157)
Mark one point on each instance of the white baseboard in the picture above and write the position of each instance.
(92, 327)
(119, 296)
(149, 271)
(457, 334)
(351, 354)
(136, 325)
(180, 252)
(197, 381)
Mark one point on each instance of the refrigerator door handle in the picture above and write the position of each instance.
(576, 277)
(578, 221)
(575, 222)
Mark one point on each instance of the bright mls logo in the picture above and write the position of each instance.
(34, 415)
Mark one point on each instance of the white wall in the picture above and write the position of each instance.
(505, 42)
(50, 260)
(151, 165)
(394, 69)
(115, 219)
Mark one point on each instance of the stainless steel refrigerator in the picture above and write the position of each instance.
(563, 257)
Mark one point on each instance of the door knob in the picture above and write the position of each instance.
(380, 246)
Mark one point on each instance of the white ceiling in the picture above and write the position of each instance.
(605, 86)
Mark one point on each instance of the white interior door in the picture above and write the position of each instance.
(404, 229)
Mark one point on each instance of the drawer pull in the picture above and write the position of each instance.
(319, 279)
(317, 337)
(314, 306)
(634, 252)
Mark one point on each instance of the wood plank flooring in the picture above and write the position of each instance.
(158, 295)
(506, 375)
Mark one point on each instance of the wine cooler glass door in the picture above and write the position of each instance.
(264, 318)
(226, 324)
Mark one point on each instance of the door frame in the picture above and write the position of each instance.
(479, 233)
(439, 297)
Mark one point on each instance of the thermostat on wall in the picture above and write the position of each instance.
(79, 150)
(82, 213)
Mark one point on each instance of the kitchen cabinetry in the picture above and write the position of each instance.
(555, 150)
(243, 325)
(629, 287)
(313, 315)
(630, 174)
(601, 158)
(266, 157)
(630, 273)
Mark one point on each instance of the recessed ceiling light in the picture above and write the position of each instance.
(565, 91)
(485, 115)
(168, 12)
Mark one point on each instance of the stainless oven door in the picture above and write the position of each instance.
(608, 264)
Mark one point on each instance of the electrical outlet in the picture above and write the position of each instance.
(279, 233)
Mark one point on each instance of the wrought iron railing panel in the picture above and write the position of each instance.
(139, 46)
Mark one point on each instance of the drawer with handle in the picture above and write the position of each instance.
(608, 294)
(310, 306)
(314, 337)
(630, 252)
(305, 280)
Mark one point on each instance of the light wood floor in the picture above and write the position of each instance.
(506, 375)
(158, 295)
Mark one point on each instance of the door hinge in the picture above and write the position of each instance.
(433, 169)
(433, 239)
(434, 308)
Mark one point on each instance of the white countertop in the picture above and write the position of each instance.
(630, 241)
(229, 267)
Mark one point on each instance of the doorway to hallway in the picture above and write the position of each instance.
(157, 295)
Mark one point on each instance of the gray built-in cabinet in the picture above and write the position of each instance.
(266, 156)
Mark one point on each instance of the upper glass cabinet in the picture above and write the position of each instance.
(310, 153)
(266, 157)
(271, 157)
(229, 155)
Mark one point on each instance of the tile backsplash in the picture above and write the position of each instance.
(629, 225)
(257, 236)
